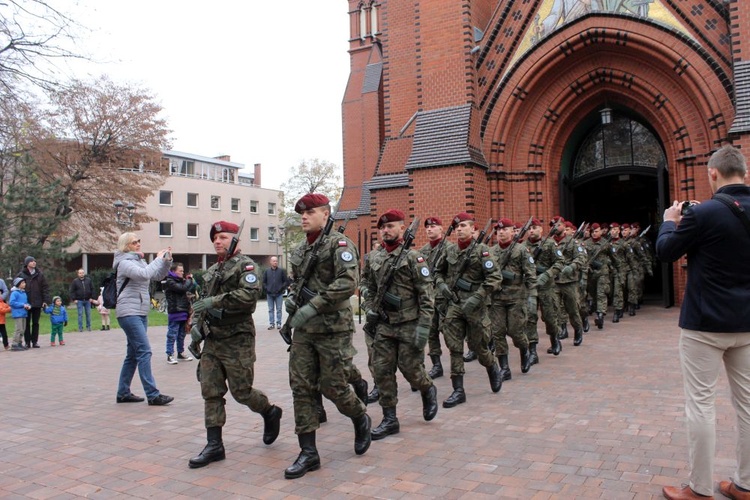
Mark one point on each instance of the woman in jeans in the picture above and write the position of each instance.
(133, 304)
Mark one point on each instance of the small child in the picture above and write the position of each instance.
(19, 310)
(102, 310)
(58, 315)
(4, 309)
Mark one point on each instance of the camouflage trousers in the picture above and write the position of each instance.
(569, 305)
(508, 319)
(632, 289)
(547, 303)
(618, 300)
(229, 361)
(433, 341)
(598, 289)
(475, 329)
(321, 361)
(392, 348)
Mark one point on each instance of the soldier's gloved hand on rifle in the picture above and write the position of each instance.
(372, 316)
(472, 304)
(364, 292)
(290, 305)
(203, 304)
(567, 272)
(446, 292)
(542, 280)
(195, 334)
(420, 336)
(303, 315)
(532, 303)
(596, 265)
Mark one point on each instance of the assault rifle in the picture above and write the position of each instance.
(301, 293)
(440, 248)
(599, 250)
(579, 232)
(195, 346)
(383, 296)
(538, 249)
(513, 243)
(457, 278)
(643, 233)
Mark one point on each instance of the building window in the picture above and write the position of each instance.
(192, 230)
(271, 208)
(271, 233)
(165, 198)
(254, 234)
(192, 200)
(235, 204)
(165, 229)
(253, 206)
(215, 202)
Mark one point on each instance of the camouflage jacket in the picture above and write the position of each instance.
(549, 259)
(618, 255)
(481, 275)
(519, 275)
(598, 256)
(574, 255)
(410, 295)
(332, 283)
(235, 298)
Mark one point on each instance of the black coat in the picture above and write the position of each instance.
(81, 289)
(718, 272)
(176, 290)
(37, 288)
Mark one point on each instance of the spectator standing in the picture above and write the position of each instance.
(4, 291)
(103, 311)
(133, 304)
(37, 291)
(4, 309)
(58, 316)
(714, 319)
(275, 282)
(82, 294)
(19, 310)
(176, 289)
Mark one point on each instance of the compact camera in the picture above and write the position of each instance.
(685, 205)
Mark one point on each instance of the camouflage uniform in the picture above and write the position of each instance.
(632, 274)
(322, 353)
(548, 260)
(574, 259)
(429, 252)
(394, 343)
(598, 280)
(229, 350)
(618, 257)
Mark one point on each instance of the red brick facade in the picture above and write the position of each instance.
(450, 107)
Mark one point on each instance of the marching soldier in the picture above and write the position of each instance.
(598, 280)
(321, 352)
(574, 259)
(434, 229)
(229, 349)
(466, 277)
(507, 307)
(631, 279)
(618, 270)
(398, 340)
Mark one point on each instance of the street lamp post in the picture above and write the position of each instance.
(124, 214)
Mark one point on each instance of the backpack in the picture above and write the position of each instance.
(110, 292)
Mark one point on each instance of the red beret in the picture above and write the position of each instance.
(635, 225)
(433, 221)
(391, 215)
(569, 224)
(461, 217)
(625, 225)
(536, 222)
(223, 227)
(517, 225)
(593, 226)
(605, 225)
(504, 223)
(614, 224)
(555, 220)
(311, 200)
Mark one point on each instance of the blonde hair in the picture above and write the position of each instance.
(124, 241)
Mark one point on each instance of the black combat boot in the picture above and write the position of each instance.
(362, 433)
(429, 403)
(360, 389)
(496, 378)
(617, 316)
(470, 356)
(504, 368)
(322, 415)
(308, 459)
(599, 320)
(458, 395)
(374, 395)
(563, 331)
(631, 310)
(532, 353)
(578, 337)
(437, 366)
(271, 424)
(213, 452)
(555, 345)
(586, 326)
(525, 361)
(389, 425)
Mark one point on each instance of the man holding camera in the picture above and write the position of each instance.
(714, 319)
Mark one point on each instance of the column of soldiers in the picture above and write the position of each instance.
(472, 293)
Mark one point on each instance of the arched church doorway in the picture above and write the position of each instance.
(615, 170)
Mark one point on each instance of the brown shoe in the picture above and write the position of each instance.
(675, 493)
(730, 490)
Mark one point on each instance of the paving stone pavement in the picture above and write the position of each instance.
(603, 420)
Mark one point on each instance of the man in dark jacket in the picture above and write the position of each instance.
(176, 289)
(37, 290)
(714, 319)
(275, 281)
(82, 293)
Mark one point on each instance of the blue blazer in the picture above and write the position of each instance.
(717, 295)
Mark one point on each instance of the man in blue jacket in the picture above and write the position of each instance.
(714, 319)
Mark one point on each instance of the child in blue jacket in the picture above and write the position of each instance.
(19, 310)
(59, 318)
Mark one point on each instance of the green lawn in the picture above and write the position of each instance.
(155, 318)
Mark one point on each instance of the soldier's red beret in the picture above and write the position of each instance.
(536, 222)
(517, 225)
(311, 200)
(433, 221)
(614, 224)
(223, 227)
(635, 225)
(554, 220)
(569, 224)
(593, 226)
(504, 223)
(625, 225)
(391, 215)
(461, 217)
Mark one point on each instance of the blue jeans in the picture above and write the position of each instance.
(138, 355)
(175, 331)
(274, 302)
(84, 304)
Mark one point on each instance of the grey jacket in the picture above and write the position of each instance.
(135, 299)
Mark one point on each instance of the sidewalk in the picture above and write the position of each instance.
(603, 420)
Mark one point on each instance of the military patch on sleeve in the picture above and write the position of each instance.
(531, 259)
(489, 264)
(614, 250)
(343, 243)
(559, 253)
(249, 267)
(346, 256)
(420, 259)
(251, 278)
(580, 249)
(485, 254)
(425, 272)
